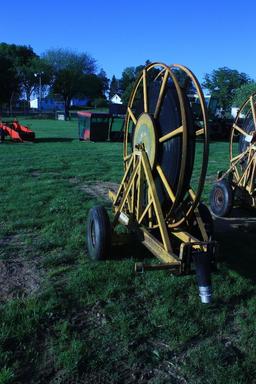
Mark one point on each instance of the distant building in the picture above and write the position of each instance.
(79, 102)
(234, 111)
(116, 99)
(34, 104)
(54, 104)
(47, 104)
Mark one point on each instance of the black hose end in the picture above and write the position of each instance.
(203, 273)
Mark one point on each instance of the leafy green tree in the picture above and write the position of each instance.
(19, 54)
(129, 76)
(13, 61)
(241, 94)
(29, 76)
(104, 81)
(222, 84)
(73, 74)
(100, 103)
(9, 82)
(114, 87)
(92, 86)
(127, 81)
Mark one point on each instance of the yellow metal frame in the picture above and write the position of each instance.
(136, 203)
(131, 211)
(244, 177)
(164, 73)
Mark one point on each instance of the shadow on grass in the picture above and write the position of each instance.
(53, 140)
(236, 235)
(128, 247)
(9, 141)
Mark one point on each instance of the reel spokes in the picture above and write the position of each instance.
(238, 184)
(165, 160)
(242, 146)
(164, 123)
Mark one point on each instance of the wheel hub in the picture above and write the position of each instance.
(145, 134)
(93, 237)
(219, 198)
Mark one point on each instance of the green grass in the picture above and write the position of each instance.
(72, 320)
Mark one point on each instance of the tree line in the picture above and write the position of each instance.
(60, 72)
(228, 86)
(70, 74)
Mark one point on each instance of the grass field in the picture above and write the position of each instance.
(65, 319)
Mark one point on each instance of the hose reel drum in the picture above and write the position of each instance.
(237, 185)
(165, 161)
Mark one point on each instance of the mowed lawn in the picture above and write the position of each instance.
(64, 319)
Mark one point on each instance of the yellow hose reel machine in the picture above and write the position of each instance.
(237, 185)
(165, 156)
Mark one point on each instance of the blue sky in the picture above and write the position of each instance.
(203, 35)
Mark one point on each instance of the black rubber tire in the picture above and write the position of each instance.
(98, 234)
(221, 198)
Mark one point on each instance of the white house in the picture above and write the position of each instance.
(34, 103)
(234, 111)
(116, 99)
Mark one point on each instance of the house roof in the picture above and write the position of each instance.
(116, 94)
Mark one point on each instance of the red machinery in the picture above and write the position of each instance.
(17, 131)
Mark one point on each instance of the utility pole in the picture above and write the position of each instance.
(39, 75)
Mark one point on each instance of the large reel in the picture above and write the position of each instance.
(243, 132)
(165, 161)
(161, 118)
(237, 185)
